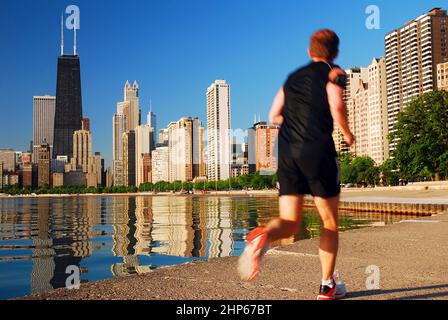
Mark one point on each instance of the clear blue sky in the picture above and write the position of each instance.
(175, 49)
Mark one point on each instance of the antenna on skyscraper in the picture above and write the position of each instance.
(75, 53)
(150, 105)
(62, 35)
(255, 118)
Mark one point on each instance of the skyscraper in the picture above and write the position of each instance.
(218, 131)
(95, 171)
(266, 147)
(68, 110)
(43, 165)
(355, 77)
(359, 111)
(163, 137)
(58, 164)
(145, 168)
(8, 158)
(27, 175)
(412, 54)
(129, 158)
(43, 122)
(377, 118)
(366, 100)
(151, 120)
(82, 150)
(160, 164)
(1, 175)
(186, 149)
(133, 111)
(127, 118)
(118, 128)
(144, 144)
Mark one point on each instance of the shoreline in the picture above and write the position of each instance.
(133, 194)
(434, 194)
(411, 247)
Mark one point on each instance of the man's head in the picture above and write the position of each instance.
(324, 44)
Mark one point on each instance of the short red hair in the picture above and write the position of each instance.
(324, 44)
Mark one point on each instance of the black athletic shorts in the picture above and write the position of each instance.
(318, 176)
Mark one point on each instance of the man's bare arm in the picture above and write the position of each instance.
(338, 111)
(275, 115)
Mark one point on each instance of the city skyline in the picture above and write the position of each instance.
(245, 100)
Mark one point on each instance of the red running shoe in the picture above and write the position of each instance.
(257, 245)
(338, 291)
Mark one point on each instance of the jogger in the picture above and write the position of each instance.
(306, 107)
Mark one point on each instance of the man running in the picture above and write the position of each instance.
(306, 107)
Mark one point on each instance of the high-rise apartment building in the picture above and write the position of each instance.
(442, 76)
(43, 122)
(27, 175)
(160, 164)
(265, 147)
(1, 175)
(144, 144)
(412, 54)
(8, 158)
(26, 170)
(218, 131)
(118, 128)
(95, 172)
(355, 76)
(43, 165)
(129, 158)
(377, 114)
(359, 111)
(163, 136)
(186, 148)
(366, 100)
(145, 168)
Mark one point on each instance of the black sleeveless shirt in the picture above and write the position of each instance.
(307, 127)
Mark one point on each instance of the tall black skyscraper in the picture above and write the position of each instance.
(68, 111)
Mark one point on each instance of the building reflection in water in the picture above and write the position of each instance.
(123, 235)
(180, 226)
(132, 224)
(64, 233)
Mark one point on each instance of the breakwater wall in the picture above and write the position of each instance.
(414, 209)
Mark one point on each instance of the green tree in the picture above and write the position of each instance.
(421, 133)
(390, 173)
(359, 170)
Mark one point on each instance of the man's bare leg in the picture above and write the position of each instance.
(289, 222)
(329, 241)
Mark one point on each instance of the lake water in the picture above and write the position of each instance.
(115, 236)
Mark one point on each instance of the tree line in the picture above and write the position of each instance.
(254, 181)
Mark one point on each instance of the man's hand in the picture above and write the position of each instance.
(278, 120)
(275, 115)
(349, 139)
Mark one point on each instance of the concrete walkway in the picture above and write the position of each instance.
(412, 258)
